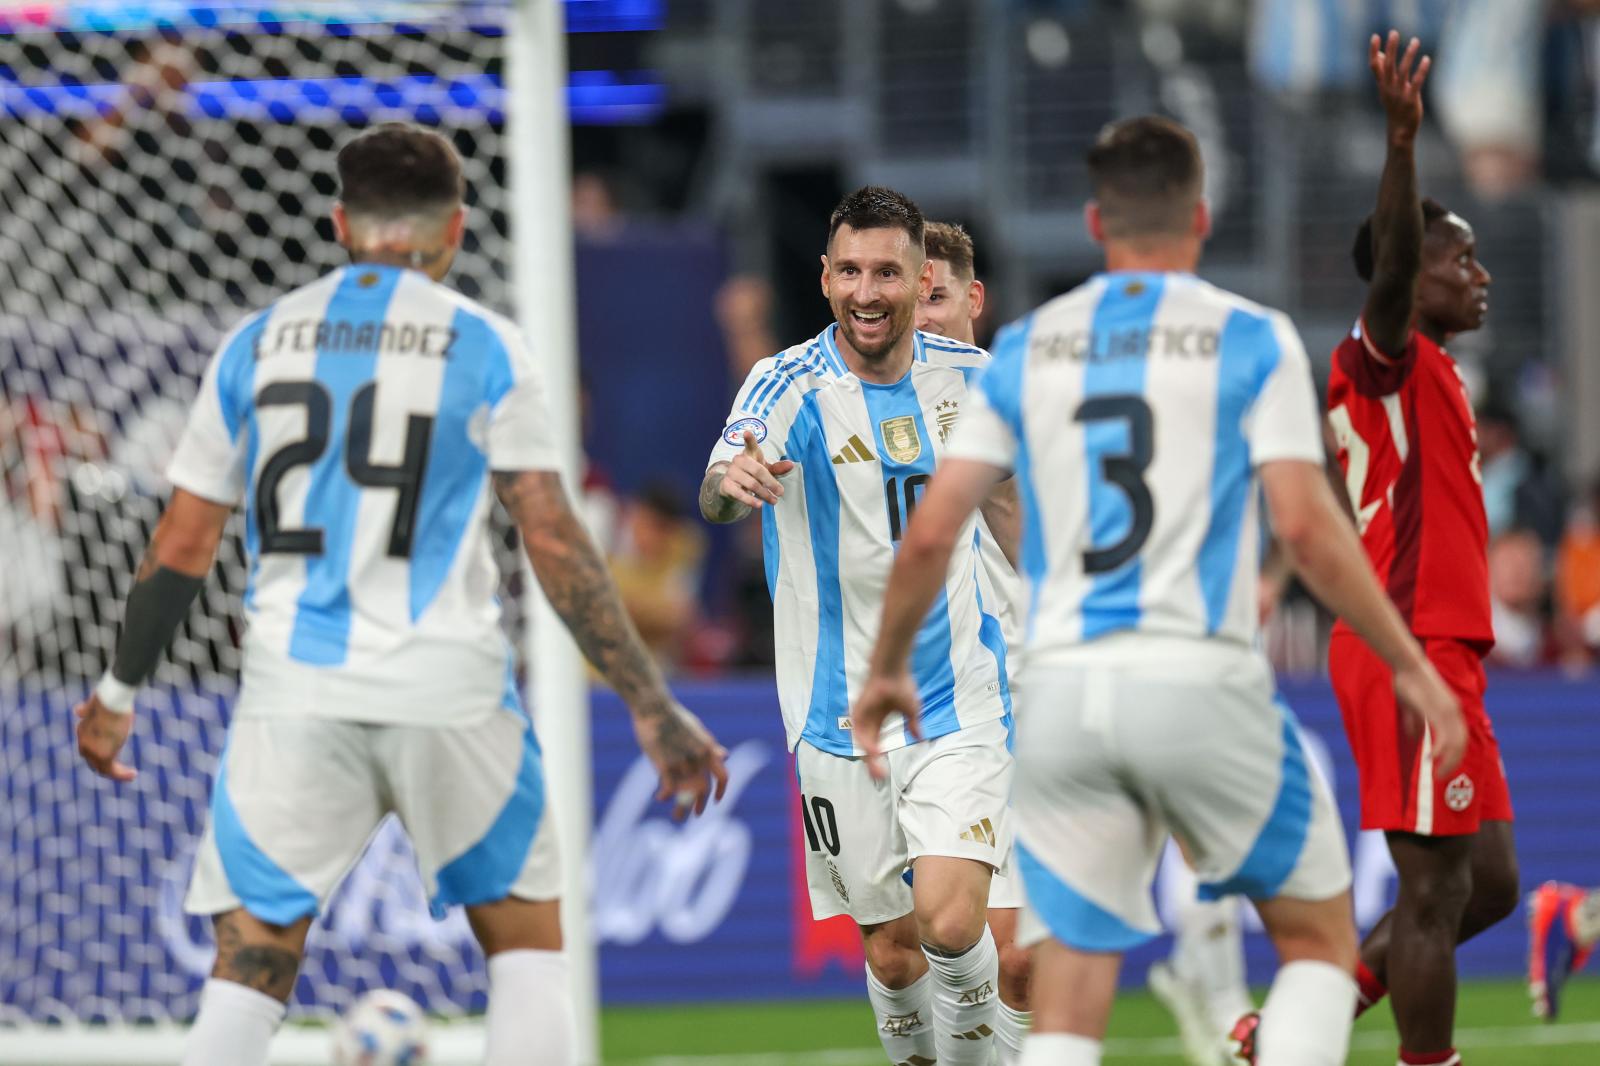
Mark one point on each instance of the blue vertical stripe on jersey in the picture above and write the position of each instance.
(930, 656)
(830, 697)
(321, 632)
(771, 551)
(1277, 848)
(265, 888)
(919, 353)
(486, 871)
(1127, 309)
(1246, 355)
(1071, 917)
(476, 375)
(1002, 387)
(236, 372)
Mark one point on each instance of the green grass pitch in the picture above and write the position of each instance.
(1493, 1026)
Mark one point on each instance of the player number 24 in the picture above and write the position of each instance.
(406, 476)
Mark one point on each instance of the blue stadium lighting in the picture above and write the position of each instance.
(102, 16)
(593, 98)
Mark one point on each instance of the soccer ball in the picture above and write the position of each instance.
(383, 1028)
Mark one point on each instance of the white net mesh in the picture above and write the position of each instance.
(157, 184)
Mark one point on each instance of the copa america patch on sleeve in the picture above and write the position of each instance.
(734, 434)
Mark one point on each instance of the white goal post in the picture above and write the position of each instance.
(165, 168)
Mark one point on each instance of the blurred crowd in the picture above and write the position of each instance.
(1515, 93)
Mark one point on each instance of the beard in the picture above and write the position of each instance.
(875, 348)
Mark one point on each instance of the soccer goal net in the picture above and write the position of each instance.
(164, 170)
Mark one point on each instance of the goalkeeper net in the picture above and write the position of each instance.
(159, 180)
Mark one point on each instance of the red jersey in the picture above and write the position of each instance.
(1408, 445)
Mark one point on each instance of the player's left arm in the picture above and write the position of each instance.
(957, 488)
(180, 554)
(1002, 513)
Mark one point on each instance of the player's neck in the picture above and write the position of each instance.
(428, 261)
(887, 369)
(1432, 330)
(1166, 257)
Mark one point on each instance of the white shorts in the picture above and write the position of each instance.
(946, 796)
(1116, 750)
(297, 799)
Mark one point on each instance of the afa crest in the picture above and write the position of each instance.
(945, 413)
(900, 438)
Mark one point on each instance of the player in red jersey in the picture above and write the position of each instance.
(1407, 446)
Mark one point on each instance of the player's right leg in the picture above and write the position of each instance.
(855, 864)
(291, 809)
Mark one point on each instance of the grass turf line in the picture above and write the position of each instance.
(1492, 1016)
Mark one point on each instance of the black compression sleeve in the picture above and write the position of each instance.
(156, 605)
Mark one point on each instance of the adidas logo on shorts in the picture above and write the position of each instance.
(979, 833)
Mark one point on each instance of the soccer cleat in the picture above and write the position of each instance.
(1202, 1044)
(1242, 1040)
(1553, 955)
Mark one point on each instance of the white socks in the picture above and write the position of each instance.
(1060, 1049)
(905, 1019)
(1209, 955)
(235, 1026)
(1306, 1019)
(530, 1020)
(1011, 1026)
(964, 1002)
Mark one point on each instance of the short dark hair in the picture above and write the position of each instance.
(1147, 176)
(1361, 252)
(950, 242)
(400, 169)
(877, 207)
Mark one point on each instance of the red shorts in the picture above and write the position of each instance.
(1398, 788)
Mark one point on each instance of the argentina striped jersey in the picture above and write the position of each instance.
(863, 454)
(358, 418)
(1134, 411)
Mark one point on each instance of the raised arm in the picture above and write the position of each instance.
(174, 568)
(575, 580)
(1397, 224)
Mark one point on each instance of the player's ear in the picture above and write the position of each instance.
(341, 224)
(975, 297)
(925, 280)
(1202, 218)
(825, 293)
(456, 229)
(1092, 220)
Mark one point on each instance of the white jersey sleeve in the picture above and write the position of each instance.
(211, 454)
(986, 433)
(1284, 422)
(519, 436)
(767, 404)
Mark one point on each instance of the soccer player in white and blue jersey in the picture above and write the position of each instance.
(1139, 412)
(834, 441)
(362, 419)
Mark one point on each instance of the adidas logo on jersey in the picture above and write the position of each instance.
(854, 452)
(979, 833)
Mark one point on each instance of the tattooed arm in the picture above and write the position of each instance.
(578, 586)
(174, 568)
